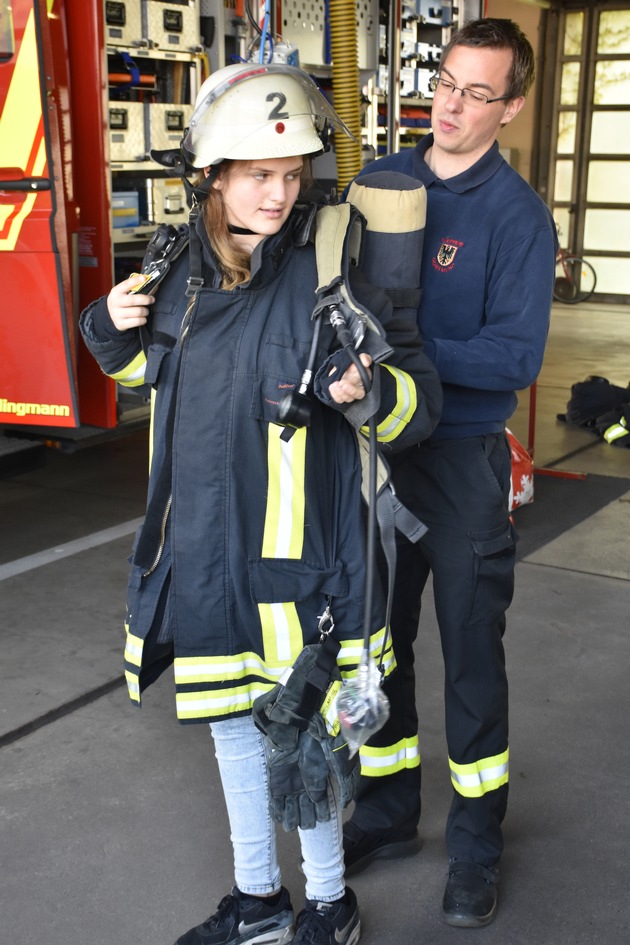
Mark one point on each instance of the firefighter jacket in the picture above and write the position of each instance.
(252, 530)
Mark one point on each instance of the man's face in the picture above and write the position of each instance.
(463, 131)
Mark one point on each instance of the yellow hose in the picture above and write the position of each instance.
(347, 93)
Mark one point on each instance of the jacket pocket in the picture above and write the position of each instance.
(277, 580)
(148, 599)
(289, 599)
(285, 359)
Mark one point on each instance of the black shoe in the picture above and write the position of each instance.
(361, 847)
(470, 897)
(329, 923)
(241, 918)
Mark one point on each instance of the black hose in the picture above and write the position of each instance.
(345, 339)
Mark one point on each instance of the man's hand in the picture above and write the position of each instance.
(127, 310)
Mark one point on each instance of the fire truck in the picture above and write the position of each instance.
(54, 212)
(87, 89)
(56, 198)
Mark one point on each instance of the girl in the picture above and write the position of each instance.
(253, 528)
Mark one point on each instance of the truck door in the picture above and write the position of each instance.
(38, 220)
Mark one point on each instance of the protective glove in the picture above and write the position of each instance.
(296, 735)
(289, 802)
(328, 755)
(278, 717)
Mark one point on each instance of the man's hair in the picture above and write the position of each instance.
(499, 34)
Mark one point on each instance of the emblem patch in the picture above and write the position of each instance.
(446, 254)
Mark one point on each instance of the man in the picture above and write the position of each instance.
(487, 276)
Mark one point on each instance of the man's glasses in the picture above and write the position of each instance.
(470, 96)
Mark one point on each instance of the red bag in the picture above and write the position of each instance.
(522, 486)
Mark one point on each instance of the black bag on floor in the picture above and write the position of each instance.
(601, 407)
(591, 399)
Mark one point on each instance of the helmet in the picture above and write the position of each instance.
(249, 111)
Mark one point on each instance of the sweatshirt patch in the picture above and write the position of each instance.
(445, 258)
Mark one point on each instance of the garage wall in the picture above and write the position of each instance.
(519, 134)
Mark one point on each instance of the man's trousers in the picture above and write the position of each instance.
(460, 490)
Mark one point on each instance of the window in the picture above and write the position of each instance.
(7, 36)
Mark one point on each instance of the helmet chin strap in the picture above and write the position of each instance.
(174, 160)
(241, 230)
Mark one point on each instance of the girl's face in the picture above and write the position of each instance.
(259, 195)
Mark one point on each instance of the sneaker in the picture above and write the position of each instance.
(470, 897)
(360, 847)
(241, 918)
(329, 923)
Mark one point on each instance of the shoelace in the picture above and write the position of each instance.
(227, 906)
(317, 926)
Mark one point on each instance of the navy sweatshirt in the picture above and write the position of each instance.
(488, 267)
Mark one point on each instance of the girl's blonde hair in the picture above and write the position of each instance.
(234, 263)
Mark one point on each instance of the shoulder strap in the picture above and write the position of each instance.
(339, 230)
(166, 245)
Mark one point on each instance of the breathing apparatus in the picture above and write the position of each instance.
(382, 224)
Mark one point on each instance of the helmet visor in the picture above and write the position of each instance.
(205, 121)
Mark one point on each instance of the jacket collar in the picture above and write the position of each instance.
(297, 231)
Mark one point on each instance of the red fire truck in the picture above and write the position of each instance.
(55, 245)
(87, 88)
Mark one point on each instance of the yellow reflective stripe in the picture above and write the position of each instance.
(133, 686)
(22, 133)
(378, 762)
(328, 707)
(403, 410)
(352, 651)
(133, 374)
(133, 648)
(152, 426)
(616, 431)
(212, 669)
(133, 656)
(480, 777)
(218, 702)
(281, 630)
(284, 517)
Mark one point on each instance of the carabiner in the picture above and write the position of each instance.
(323, 620)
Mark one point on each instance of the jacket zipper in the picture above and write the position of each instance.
(160, 550)
(158, 556)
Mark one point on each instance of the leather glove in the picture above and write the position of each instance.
(276, 715)
(332, 757)
(290, 803)
(296, 737)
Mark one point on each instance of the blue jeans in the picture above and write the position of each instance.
(241, 757)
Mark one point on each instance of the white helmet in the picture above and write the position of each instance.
(249, 111)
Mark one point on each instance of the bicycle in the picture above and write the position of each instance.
(575, 278)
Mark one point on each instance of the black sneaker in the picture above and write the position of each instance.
(470, 897)
(329, 923)
(360, 847)
(241, 918)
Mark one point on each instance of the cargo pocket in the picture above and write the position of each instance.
(289, 597)
(492, 579)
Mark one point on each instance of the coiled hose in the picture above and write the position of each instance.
(347, 93)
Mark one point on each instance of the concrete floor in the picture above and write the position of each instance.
(113, 825)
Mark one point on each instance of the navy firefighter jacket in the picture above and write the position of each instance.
(250, 534)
